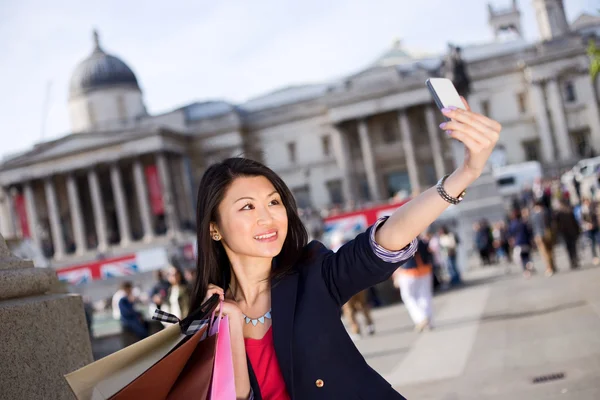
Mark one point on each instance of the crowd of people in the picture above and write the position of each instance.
(543, 216)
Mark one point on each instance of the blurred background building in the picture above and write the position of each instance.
(124, 180)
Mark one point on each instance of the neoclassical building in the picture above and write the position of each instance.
(124, 179)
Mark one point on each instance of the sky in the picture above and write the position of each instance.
(194, 50)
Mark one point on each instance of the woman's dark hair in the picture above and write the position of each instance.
(213, 265)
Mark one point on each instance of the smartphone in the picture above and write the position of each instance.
(444, 93)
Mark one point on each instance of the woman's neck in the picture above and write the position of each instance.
(250, 279)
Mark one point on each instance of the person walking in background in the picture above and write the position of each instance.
(541, 224)
(131, 320)
(589, 225)
(484, 239)
(415, 281)
(178, 295)
(449, 247)
(521, 240)
(569, 230)
(358, 303)
(158, 294)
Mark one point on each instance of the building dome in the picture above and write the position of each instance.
(100, 71)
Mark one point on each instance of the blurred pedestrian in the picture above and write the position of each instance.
(414, 279)
(449, 247)
(178, 295)
(569, 230)
(358, 303)
(589, 225)
(521, 239)
(158, 294)
(543, 233)
(131, 320)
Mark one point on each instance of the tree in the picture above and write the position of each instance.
(594, 54)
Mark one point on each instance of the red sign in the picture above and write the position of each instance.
(84, 273)
(21, 212)
(360, 219)
(154, 190)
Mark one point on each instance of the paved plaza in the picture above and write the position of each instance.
(495, 336)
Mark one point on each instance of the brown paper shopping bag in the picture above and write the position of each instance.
(102, 379)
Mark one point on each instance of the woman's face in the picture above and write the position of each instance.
(252, 218)
(174, 276)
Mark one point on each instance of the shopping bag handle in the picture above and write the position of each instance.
(213, 326)
(194, 321)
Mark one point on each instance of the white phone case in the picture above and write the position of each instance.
(444, 93)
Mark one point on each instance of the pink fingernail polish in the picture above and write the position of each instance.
(448, 132)
(443, 125)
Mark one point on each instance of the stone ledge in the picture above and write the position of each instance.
(24, 282)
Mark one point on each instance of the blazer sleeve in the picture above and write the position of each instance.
(360, 264)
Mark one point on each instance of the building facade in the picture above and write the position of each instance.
(126, 179)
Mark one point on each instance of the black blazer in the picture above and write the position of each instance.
(310, 340)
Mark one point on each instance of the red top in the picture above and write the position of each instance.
(261, 353)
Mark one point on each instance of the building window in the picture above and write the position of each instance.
(485, 107)
(398, 182)
(389, 132)
(121, 109)
(532, 150)
(570, 95)
(292, 152)
(302, 196)
(326, 145)
(91, 114)
(581, 143)
(522, 100)
(336, 195)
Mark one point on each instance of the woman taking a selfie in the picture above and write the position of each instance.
(283, 296)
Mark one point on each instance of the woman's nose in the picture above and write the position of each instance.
(264, 216)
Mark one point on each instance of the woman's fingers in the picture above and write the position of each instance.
(468, 117)
(213, 289)
(476, 135)
(465, 103)
(468, 141)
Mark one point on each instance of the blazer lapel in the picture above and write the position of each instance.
(283, 306)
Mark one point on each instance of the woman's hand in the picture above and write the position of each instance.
(230, 307)
(477, 132)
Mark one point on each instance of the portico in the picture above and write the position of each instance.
(107, 191)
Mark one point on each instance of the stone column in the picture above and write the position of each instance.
(168, 199)
(43, 330)
(76, 215)
(543, 124)
(369, 160)
(586, 87)
(341, 151)
(559, 120)
(409, 152)
(188, 190)
(54, 216)
(9, 223)
(99, 213)
(32, 216)
(121, 204)
(433, 131)
(142, 197)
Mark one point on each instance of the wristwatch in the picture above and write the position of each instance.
(442, 192)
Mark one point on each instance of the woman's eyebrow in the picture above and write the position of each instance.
(252, 198)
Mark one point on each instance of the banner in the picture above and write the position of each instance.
(154, 190)
(21, 211)
(131, 264)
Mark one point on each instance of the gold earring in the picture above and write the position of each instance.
(216, 236)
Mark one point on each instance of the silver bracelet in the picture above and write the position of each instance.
(444, 195)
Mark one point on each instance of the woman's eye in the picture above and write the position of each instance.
(248, 207)
(275, 202)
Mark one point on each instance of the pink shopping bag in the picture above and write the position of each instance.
(223, 383)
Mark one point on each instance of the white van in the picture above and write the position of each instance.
(511, 179)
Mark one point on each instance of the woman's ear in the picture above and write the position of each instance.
(214, 232)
